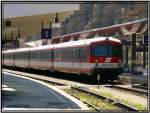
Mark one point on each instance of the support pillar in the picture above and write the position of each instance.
(144, 56)
(126, 54)
(127, 67)
(133, 52)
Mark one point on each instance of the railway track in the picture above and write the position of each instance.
(87, 103)
(133, 90)
(117, 103)
(140, 87)
(85, 90)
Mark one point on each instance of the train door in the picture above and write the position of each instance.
(52, 60)
(80, 55)
(83, 56)
(2, 59)
(28, 59)
(14, 59)
(71, 59)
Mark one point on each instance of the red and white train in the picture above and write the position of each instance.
(101, 55)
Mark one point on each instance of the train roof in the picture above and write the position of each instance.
(84, 42)
(43, 47)
(65, 44)
(9, 51)
(15, 50)
(22, 49)
(74, 43)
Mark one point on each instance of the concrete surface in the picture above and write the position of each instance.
(18, 92)
(129, 78)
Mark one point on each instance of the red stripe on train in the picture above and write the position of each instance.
(104, 59)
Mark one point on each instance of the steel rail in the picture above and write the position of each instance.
(86, 102)
(140, 87)
(142, 92)
(117, 103)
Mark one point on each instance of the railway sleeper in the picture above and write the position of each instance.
(115, 102)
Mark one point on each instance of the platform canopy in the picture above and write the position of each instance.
(124, 29)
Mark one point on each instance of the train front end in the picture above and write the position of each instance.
(106, 57)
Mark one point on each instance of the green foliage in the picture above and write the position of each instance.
(103, 105)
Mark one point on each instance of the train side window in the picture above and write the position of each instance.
(34, 55)
(52, 54)
(17, 55)
(72, 53)
(43, 55)
(82, 58)
(65, 54)
(27, 55)
(21, 55)
(62, 54)
(49, 54)
(55, 54)
(79, 54)
(84, 54)
(69, 54)
(75, 54)
(30, 54)
(58, 55)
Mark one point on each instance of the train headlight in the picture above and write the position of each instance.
(96, 61)
(119, 60)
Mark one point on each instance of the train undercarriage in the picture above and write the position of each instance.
(106, 74)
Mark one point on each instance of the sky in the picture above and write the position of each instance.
(19, 10)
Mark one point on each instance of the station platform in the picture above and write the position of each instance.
(24, 94)
(129, 78)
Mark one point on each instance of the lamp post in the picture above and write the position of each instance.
(133, 52)
(98, 79)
